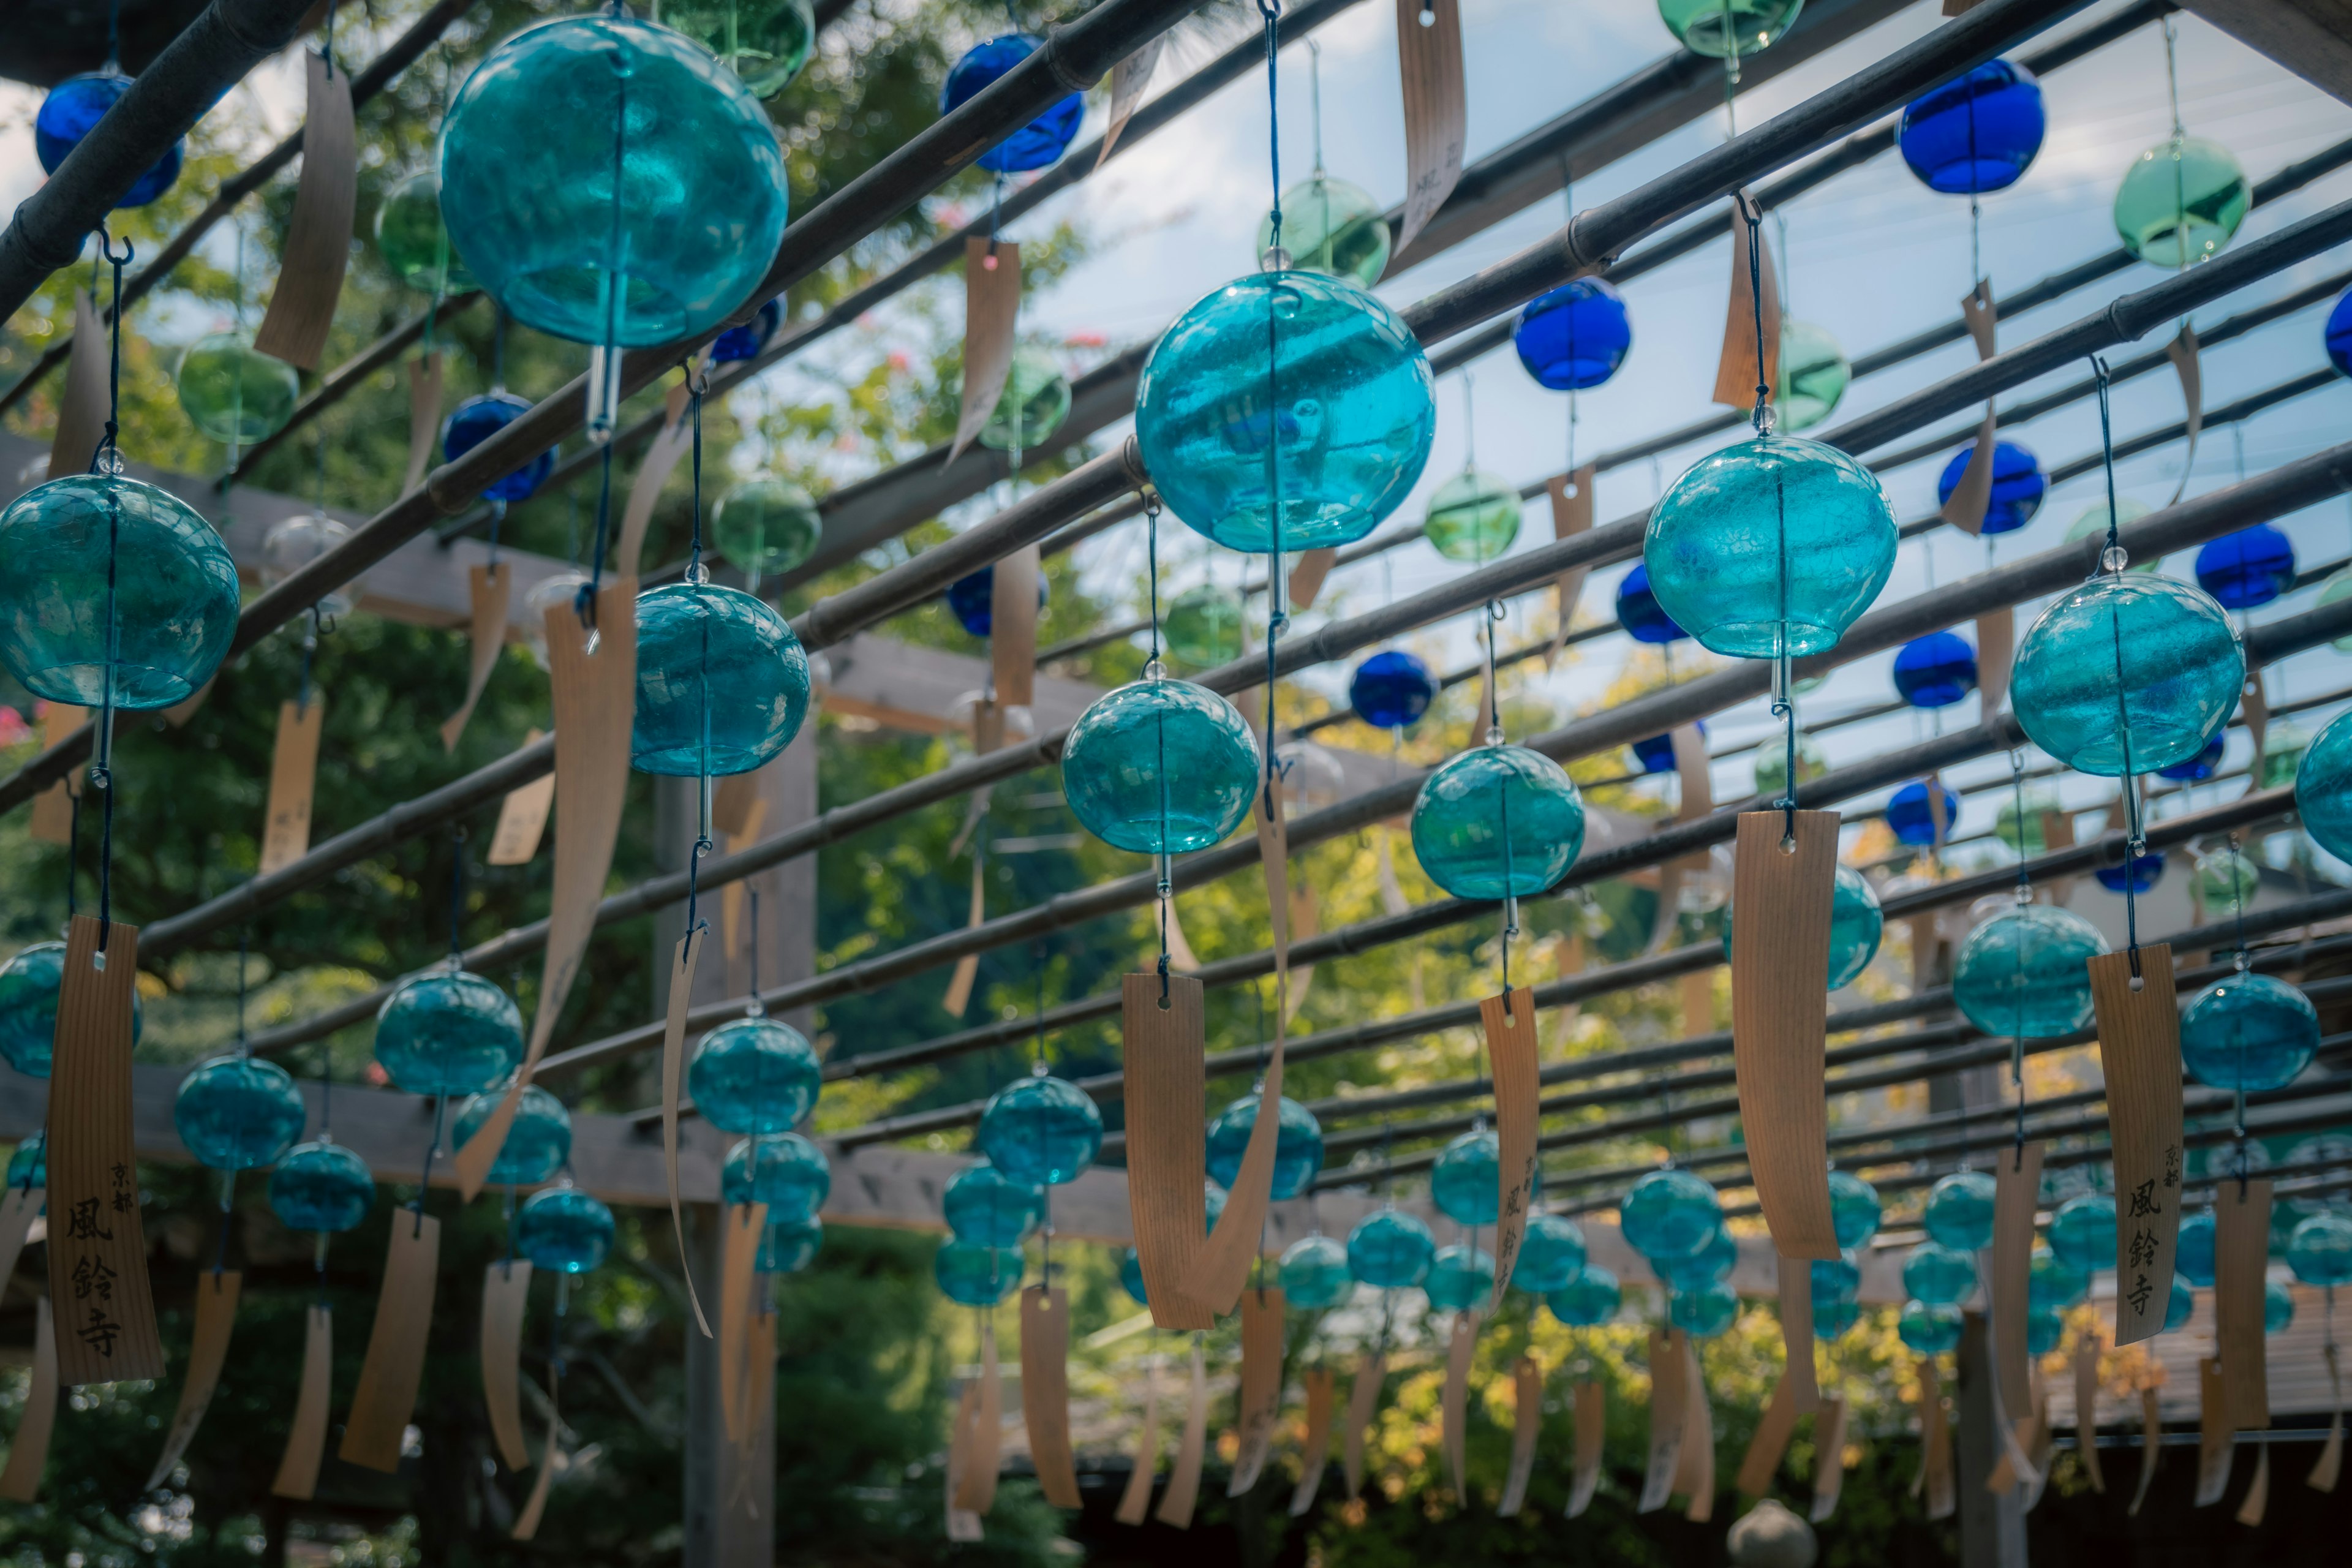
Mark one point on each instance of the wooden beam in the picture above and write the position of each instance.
(2312, 38)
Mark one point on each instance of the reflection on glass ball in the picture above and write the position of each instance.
(1041, 1131)
(976, 1276)
(1473, 517)
(1465, 1181)
(1331, 227)
(1497, 822)
(563, 1230)
(2180, 202)
(1161, 767)
(322, 1186)
(1814, 375)
(478, 419)
(1929, 1328)
(448, 1032)
(1035, 401)
(1204, 626)
(1297, 1145)
(414, 242)
(1833, 1315)
(754, 1075)
(2022, 972)
(233, 392)
(237, 1113)
(1589, 1301)
(1939, 1274)
(1959, 1212)
(763, 42)
(765, 526)
(1552, 1254)
(538, 1139)
(1575, 336)
(791, 1175)
(1314, 1273)
(1036, 144)
(1669, 1215)
(1390, 1250)
(722, 683)
(1460, 1278)
(2248, 1031)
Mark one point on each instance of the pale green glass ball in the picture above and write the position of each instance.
(2181, 201)
(766, 524)
(1473, 517)
(1331, 227)
(1814, 376)
(1033, 405)
(233, 392)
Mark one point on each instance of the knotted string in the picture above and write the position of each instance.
(108, 459)
(697, 383)
(1152, 671)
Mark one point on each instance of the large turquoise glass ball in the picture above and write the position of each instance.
(28, 1164)
(1705, 1310)
(2022, 972)
(1709, 1265)
(29, 1007)
(784, 1170)
(2043, 1330)
(448, 1032)
(2320, 1250)
(789, 1245)
(2083, 1232)
(2179, 1305)
(1837, 1278)
(2192, 1255)
(1286, 410)
(1552, 1253)
(1297, 1145)
(322, 1186)
(2323, 788)
(1669, 1215)
(1041, 1131)
(2278, 1308)
(1833, 1315)
(2248, 1032)
(1769, 545)
(609, 182)
(1390, 1250)
(983, 1205)
(754, 1075)
(1929, 1328)
(1856, 926)
(1460, 1276)
(1497, 822)
(1855, 1208)
(1938, 1275)
(563, 1230)
(976, 1275)
(1959, 1212)
(2129, 672)
(538, 1139)
(1314, 1273)
(2052, 1284)
(1589, 1301)
(1466, 1181)
(722, 684)
(173, 598)
(237, 1113)
(1161, 767)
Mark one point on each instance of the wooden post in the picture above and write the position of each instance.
(1992, 1525)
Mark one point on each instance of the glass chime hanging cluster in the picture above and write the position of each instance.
(1643, 618)
(1552, 1253)
(1041, 1130)
(2181, 201)
(1035, 401)
(1473, 517)
(746, 342)
(1959, 1214)
(1297, 1145)
(1669, 1215)
(1460, 1276)
(1131, 1268)
(791, 1175)
(539, 1139)
(972, 1275)
(1497, 822)
(1813, 373)
(1589, 1301)
(2083, 1232)
(2248, 569)
(984, 1207)
(1391, 689)
(2249, 1032)
(1465, 1181)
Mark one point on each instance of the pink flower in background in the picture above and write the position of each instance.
(900, 360)
(373, 1072)
(1088, 338)
(14, 731)
(952, 215)
(844, 442)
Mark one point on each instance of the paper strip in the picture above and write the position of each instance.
(424, 418)
(1526, 1423)
(2086, 1404)
(1013, 627)
(293, 784)
(976, 1493)
(1135, 1502)
(1429, 62)
(681, 1002)
(1184, 1480)
(1829, 1457)
(2139, 1056)
(1161, 1050)
(967, 969)
(1453, 1404)
(1736, 370)
(550, 1460)
(2254, 709)
(2151, 1446)
(1315, 1455)
(306, 1440)
(2017, 1190)
(1045, 1390)
(2258, 1494)
(1572, 514)
(1943, 1496)
(992, 307)
(2182, 351)
(81, 405)
(319, 236)
(2331, 1458)
(522, 817)
(29, 1451)
(506, 1289)
(217, 1293)
(1773, 1430)
(1363, 1400)
(1591, 1431)
(488, 587)
(1510, 1025)
(1779, 1012)
(2241, 1228)
(1259, 1403)
(1306, 577)
(396, 1353)
(2217, 1443)
(1965, 507)
(1128, 80)
(1669, 1408)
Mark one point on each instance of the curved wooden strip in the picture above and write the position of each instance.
(506, 1287)
(81, 407)
(681, 1003)
(1454, 1403)
(216, 1296)
(1773, 1430)
(424, 417)
(2258, 1492)
(661, 461)
(992, 309)
(2330, 1463)
(306, 1440)
(293, 783)
(488, 588)
(1128, 80)
(396, 1353)
(1184, 1481)
(1135, 1502)
(1829, 1464)
(550, 1460)
(18, 1209)
(1737, 370)
(2182, 351)
(1510, 1026)
(2086, 1409)
(319, 236)
(1363, 1399)
(1779, 1015)
(1694, 1473)
(1526, 1423)
(2217, 1437)
(738, 1253)
(1045, 1390)
(1260, 1400)
(29, 1451)
(1162, 1049)
(1669, 1408)
(1429, 64)
(1315, 1456)
(1591, 1431)
(2151, 1446)
(976, 1493)
(2017, 1192)
(2241, 1228)
(1935, 1442)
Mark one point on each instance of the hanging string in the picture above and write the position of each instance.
(108, 459)
(1276, 259)
(759, 1007)
(1154, 670)
(2113, 559)
(697, 383)
(456, 897)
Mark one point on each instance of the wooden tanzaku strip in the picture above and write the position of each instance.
(739, 1250)
(2217, 1435)
(1510, 1026)
(1773, 1430)
(2330, 1463)
(1363, 1401)
(1429, 63)
(1795, 1279)
(1829, 1457)
(97, 1246)
(1315, 1454)
(1694, 1473)
(1935, 1442)
(488, 588)
(1454, 1402)
(2140, 1062)
(1259, 1403)
(1183, 1491)
(1779, 1012)
(29, 1448)
(1572, 514)
(1527, 1423)
(682, 995)
(991, 308)
(2182, 353)
(1128, 80)
(760, 1398)
(53, 807)
(1738, 371)
(660, 461)
(81, 407)
(1591, 1431)
(977, 1492)
(1013, 627)
(1306, 577)
(1045, 1390)
(2016, 1193)
(319, 236)
(424, 417)
(1669, 1407)
(522, 817)
(18, 1209)
(217, 1293)
(2086, 1410)
(963, 1523)
(2241, 1228)
(306, 1438)
(1161, 1045)
(1135, 1502)
(2258, 1492)
(293, 783)
(967, 969)
(1996, 651)
(551, 1459)
(2151, 1446)
(386, 1398)
(506, 1289)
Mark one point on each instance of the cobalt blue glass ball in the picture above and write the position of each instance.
(1669, 1215)
(2178, 1305)
(1977, 133)
(738, 343)
(1161, 767)
(1552, 1254)
(1464, 1183)
(1705, 1311)
(2132, 671)
(448, 1032)
(237, 1113)
(1042, 1131)
(1833, 1315)
(2278, 1308)
(1639, 612)
(983, 1205)
(2083, 1231)
(1910, 812)
(1391, 689)
(1297, 1145)
(1390, 1250)
(1935, 670)
(2248, 1031)
(28, 1164)
(2323, 789)
(478, 419)
(1959, 1212)
(1929, 1328)
(2248, 569)
(2137, 873)
(29, 1007)
(1589, 1301)
(1574, 336)
(322, 1186)
(2198, 768)
(1314, 1273)
(1036, 144)
(2338, 334)
(1288, 396)
(1938, 1275)
(2193, 1252)
(538, 1139)
(1709, 1265)
(1856, 925)
(2022, 972)
(2019, 486)
(754, 1075)
(2320, 1250)
(1460, 1278)
(722, 683)
(1769, 545)
(972, 599)
(789, 1245)
(563, 1230)
(2052, 1284)
(1656, 755)
(1855, 1208)
(1497, 822)
(791, 1175)
(73, 109)
(976, 1275)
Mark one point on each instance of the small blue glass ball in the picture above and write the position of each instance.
(29, 1007)
(1833, 1315)
(2320, 1250)
(1297, 1145)
(1460, 1278)
(722, 683)
(2323, 788)
(1705, 1311)
(237, 1113)
(1929, 1328)
(2180, 1304)
(1348, 441)
(2043, 1330)
(1959, 1212)
(790, 1245)
(174, 593)
(1935, 670)
(2278, 1308)
(2022, 972)
(1589, 1301)
(1707, 1266)
(28, 1164)
(1497, 822)
(1910, 813)
(1391, 689)
(2052, 1284)
(976, 1276)
(1976, 133)
(448, 1032)
(982, 1205)
(1574, 336)
(2083, 1232)
(2248, 569)
(1464, 1180)
(754, 1075)
(2136, 873)
(737, 344)
(1035, 145)
(538, 1139)
(1938, 1275)
(972, 599)
(1390, 1250)
(1669, 1215)
(2192, 1255)
(1639, 612)
(322, 1186)
(1314, 1273)
(478, 419)
(2019, 486)
(1041, 1131)
(1855, 1208)
(1161, 767)
(563, 1230)
(1769, 545)
(1656, 755)
(2131, 670)
(1552, 1253)
(1857, 924)
(788, 1174)
(2248, 1031)
(2338, 334)
(1837, 1278)
(73, 109)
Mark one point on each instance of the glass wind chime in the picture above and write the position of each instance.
(231, 391)
(236, 1112)
(75, 106)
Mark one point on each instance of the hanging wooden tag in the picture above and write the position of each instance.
(1936, 1443)
(81, 404)
(1591, 1432)
(1305, 921)
(318, 235)
(1184, 1479)
(2241, 1229)
(1736, 371)
(1135, 1502)
(52, 820)
(1795, 1275)
(306, 1439)
(506, 1289)
(1429, 61)
(1315, 1455)
(98, 1248)
(1572, 514)
(1527, 1422)
(550, 1460)
(1162, 1049)
(2217, 1435)
(487, 585)
(2182, 351)
(2330, 1464)
(18, 1209)
(2254, 711)
(2139, 1056)
(1669, 1408)
(293, 784)
(1128, 80)
(1453, 1404)
(1982, 317)
(1695, 1469)
(1698, 1003)
(1829, 1457)
(2045, 1443)
(2086, 1405)
(1363, 1400)
(2151, 1446)
(1773, 1430)
(522, 817)
(1695, 779)
(28, 1449)
(1965, 507)
(681, 1002)
(424, 418)
(1306, 577)
(596, 704)
(760, 1397)
(967, 969)
(1996, 651)
(216, 1294)
(2017, 1192)
(1181, 956)
(963, 1523)
(743, 1226)
(1012, 628)
(992, 306)
(663, 454)
(1510, 1025)
(1259, 1403)
(1045, 1390)
(396, 1353)
(1779, 1013)
(2258, 1492)
(978, 1492)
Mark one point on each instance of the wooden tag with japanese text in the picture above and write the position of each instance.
(2140, 1057)
(1429, 62)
